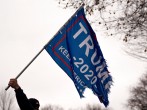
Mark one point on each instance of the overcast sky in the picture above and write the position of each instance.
(25, 27)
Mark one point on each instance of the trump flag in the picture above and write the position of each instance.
(76, 50)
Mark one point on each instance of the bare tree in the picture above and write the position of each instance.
(135, 27)
(87, 107)
(95, 107)
(6, 100)
(138, 98)
(124, 18)
(92, 107)
(51, 107)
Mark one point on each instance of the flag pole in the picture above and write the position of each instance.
(26, 66)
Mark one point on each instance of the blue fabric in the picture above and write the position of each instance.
(76, 50)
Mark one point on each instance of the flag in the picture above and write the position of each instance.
(76, 50)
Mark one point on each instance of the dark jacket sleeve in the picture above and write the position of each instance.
(22, 100)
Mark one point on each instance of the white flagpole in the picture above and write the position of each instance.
(26, 66)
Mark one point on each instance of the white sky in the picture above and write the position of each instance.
(25, 27)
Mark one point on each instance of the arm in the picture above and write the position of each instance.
(22, 99)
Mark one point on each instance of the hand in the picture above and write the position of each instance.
(13, 83)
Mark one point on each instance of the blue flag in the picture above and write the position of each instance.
(76, 50)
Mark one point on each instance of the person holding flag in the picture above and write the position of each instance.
(22, 100)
